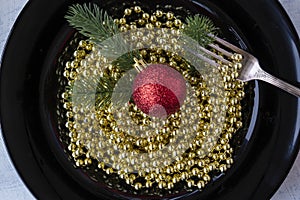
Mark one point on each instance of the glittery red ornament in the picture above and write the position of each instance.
(159, 90)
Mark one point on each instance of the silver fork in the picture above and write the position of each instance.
(250, 70)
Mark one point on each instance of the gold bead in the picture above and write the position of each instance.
(162, 59)
(79, 163)
(158, 13)
(184, 175)
(169, 169)
(190, 183)
(133, 27)
(153, 18)
(122, 21)
(170, 15)
(148, 184)
(195, 171)
(170, 185)
(82, 43)
(206, 178)
(137, 9)
(138, 186)
(200, 184)
(143, 52)
(201, 163)
(123, 29)
(116, 21)
(146, 16)
(127, 11)
(88, 46)
(153, 59)
(169, 24)
(87, 161)
(191, 162)
(177, 22)
(162, 184)
(229, 161)
(149, 26)
(238, 57)
(141, 22)
(223, 167)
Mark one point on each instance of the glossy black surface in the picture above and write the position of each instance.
(28, 125)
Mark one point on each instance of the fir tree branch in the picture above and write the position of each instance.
(98, 26)
(198, 28)
(92, 22)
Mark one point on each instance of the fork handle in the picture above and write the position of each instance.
(264, 76)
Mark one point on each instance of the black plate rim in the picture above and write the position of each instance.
(294, 149)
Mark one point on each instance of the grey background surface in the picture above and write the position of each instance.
(12, 187)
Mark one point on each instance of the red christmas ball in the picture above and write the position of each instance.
(159, 90)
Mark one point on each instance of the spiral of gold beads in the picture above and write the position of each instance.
(95, 135)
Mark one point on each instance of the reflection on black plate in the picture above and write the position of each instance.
(28, 101)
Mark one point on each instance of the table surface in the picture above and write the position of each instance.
(12, 187)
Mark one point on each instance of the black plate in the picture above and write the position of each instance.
(41, 32)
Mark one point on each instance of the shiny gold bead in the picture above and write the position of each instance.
(79, 163)
(206, 178)
(190, 183)
(87, 161)
(177, 22)
(82, 43)
(169, 15)
(146, 16)
(148, 184)
(195, 171)
(74, 64)
(226, 147)
(149, 26)
(239, 124)
(143, 52)
(191, 162)
(229, 161)
(127, 11)
(200, 184)
(162, 59)
(153, 18)
(162, 184)
(238, 57)
(138, 186)
(88, 46)
(169, 169)
(141, 22)
(222, 156)
(184, 175)
(176, 178)
(153, 59)
(123, 29)
(169, 24)
(65, 95)
(137, 9)
(133, 27)
(158, 24)
(170, 185)
(223, 167)
(116, 21)
(158, 13)
(122, 21)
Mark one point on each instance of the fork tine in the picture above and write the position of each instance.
(223, 51)
(228, 45)
(202, 57)
(214, 55)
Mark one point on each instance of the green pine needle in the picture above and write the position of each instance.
(198, 28)
(92, 22)
(98, 26)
